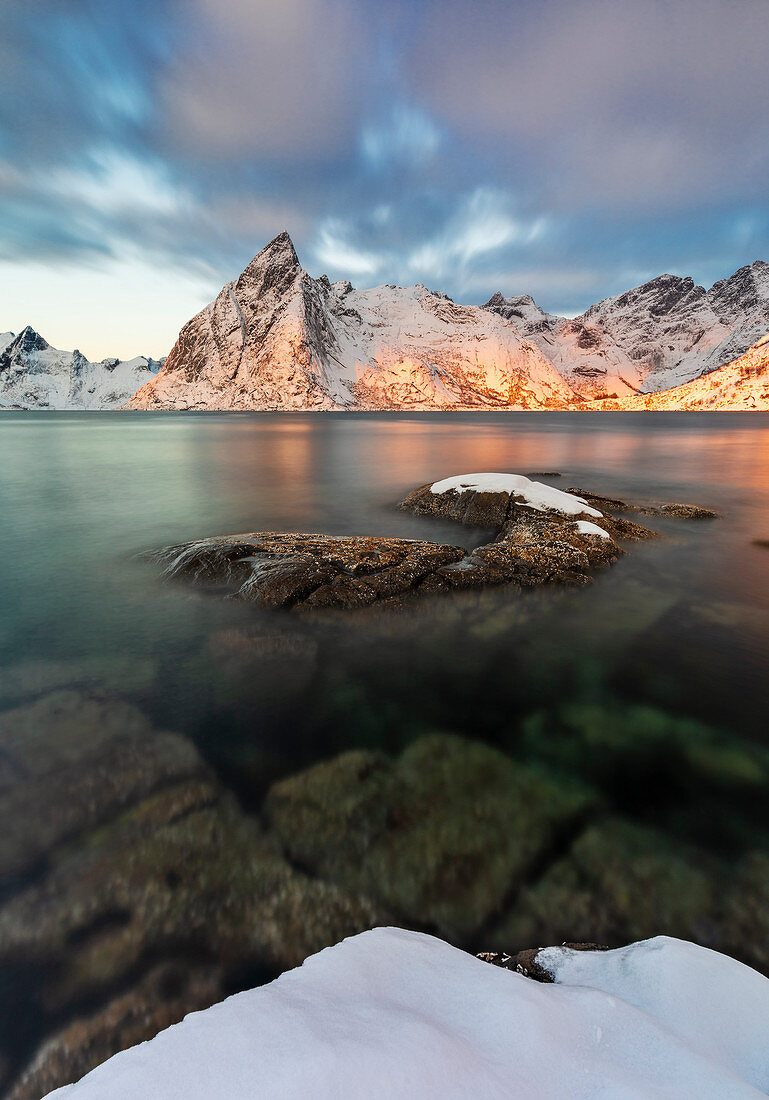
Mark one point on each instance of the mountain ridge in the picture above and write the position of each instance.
(35, 375)
(276, 338)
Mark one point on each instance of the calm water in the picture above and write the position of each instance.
(680, 626)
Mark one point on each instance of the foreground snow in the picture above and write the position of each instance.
(390, 1013)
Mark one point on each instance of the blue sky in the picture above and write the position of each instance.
(566, 149)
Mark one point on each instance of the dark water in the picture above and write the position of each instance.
(650, 687)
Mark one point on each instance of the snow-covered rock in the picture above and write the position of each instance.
(33, 375)
(741, 384)
(656, 336)
(527, 493)
(395, 1013)
(277, 339)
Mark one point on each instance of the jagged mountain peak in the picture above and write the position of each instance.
(28, 340)
(280, 252)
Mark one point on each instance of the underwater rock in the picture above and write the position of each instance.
(170, 874)
(439, 836)
(69, 762)
(618, 882)
(163, 997)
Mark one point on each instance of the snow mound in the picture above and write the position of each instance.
(394, 1013)
(532, 494)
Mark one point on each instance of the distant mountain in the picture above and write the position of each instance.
(33, 375)
(278, 339)
(741, 384)
(651, 338)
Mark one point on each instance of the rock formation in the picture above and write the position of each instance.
(543, 536)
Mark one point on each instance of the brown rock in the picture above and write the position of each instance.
(71, 762)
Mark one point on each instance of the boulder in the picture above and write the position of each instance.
(440, 836)
(70, 762)
(616, 883)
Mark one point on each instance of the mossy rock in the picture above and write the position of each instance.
(441, 835)
(618, 883)
(168, 877)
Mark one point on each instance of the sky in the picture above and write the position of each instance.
(568, 149)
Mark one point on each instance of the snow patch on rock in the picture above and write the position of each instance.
(531, 494)
(584, 527)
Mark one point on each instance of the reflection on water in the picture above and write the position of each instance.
(194, 794)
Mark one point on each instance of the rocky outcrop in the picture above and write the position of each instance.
(565, 540)
(33, 375)
(649, 339)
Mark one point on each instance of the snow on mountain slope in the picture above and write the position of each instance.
(394, 1013)
(33, 375)
(741, 384)
(654, 337)
(278, 339)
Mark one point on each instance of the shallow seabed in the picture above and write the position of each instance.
(534, 766)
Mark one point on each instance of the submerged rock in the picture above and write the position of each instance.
(70, 762)
(119, 849)
(162, 998)
(440, 835)
(617, 882)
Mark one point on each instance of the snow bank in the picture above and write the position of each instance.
(534, 494)
(390, 1013)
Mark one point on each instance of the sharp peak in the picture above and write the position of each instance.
(282, 244)
(29, 338)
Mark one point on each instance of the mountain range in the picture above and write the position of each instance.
(33, 375)
(276, 338)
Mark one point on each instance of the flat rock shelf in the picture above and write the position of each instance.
(543, 535)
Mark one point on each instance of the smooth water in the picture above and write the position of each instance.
(676, 632)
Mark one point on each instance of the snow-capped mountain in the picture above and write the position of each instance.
(33, 375)
(651, 338)
(741, 384)
(278, 339)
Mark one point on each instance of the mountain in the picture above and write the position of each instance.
(276, 338)
(651, 338)
(33, 375)
(741, 384)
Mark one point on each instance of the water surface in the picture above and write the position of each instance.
(675, 637)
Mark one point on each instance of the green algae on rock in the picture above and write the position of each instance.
(440, 835)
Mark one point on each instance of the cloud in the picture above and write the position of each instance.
(407, 136)
(648, 102)
(544, 145)
(255, 77)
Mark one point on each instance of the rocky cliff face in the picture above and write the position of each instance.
(278, 339)
(33, 375)
(654, 337)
